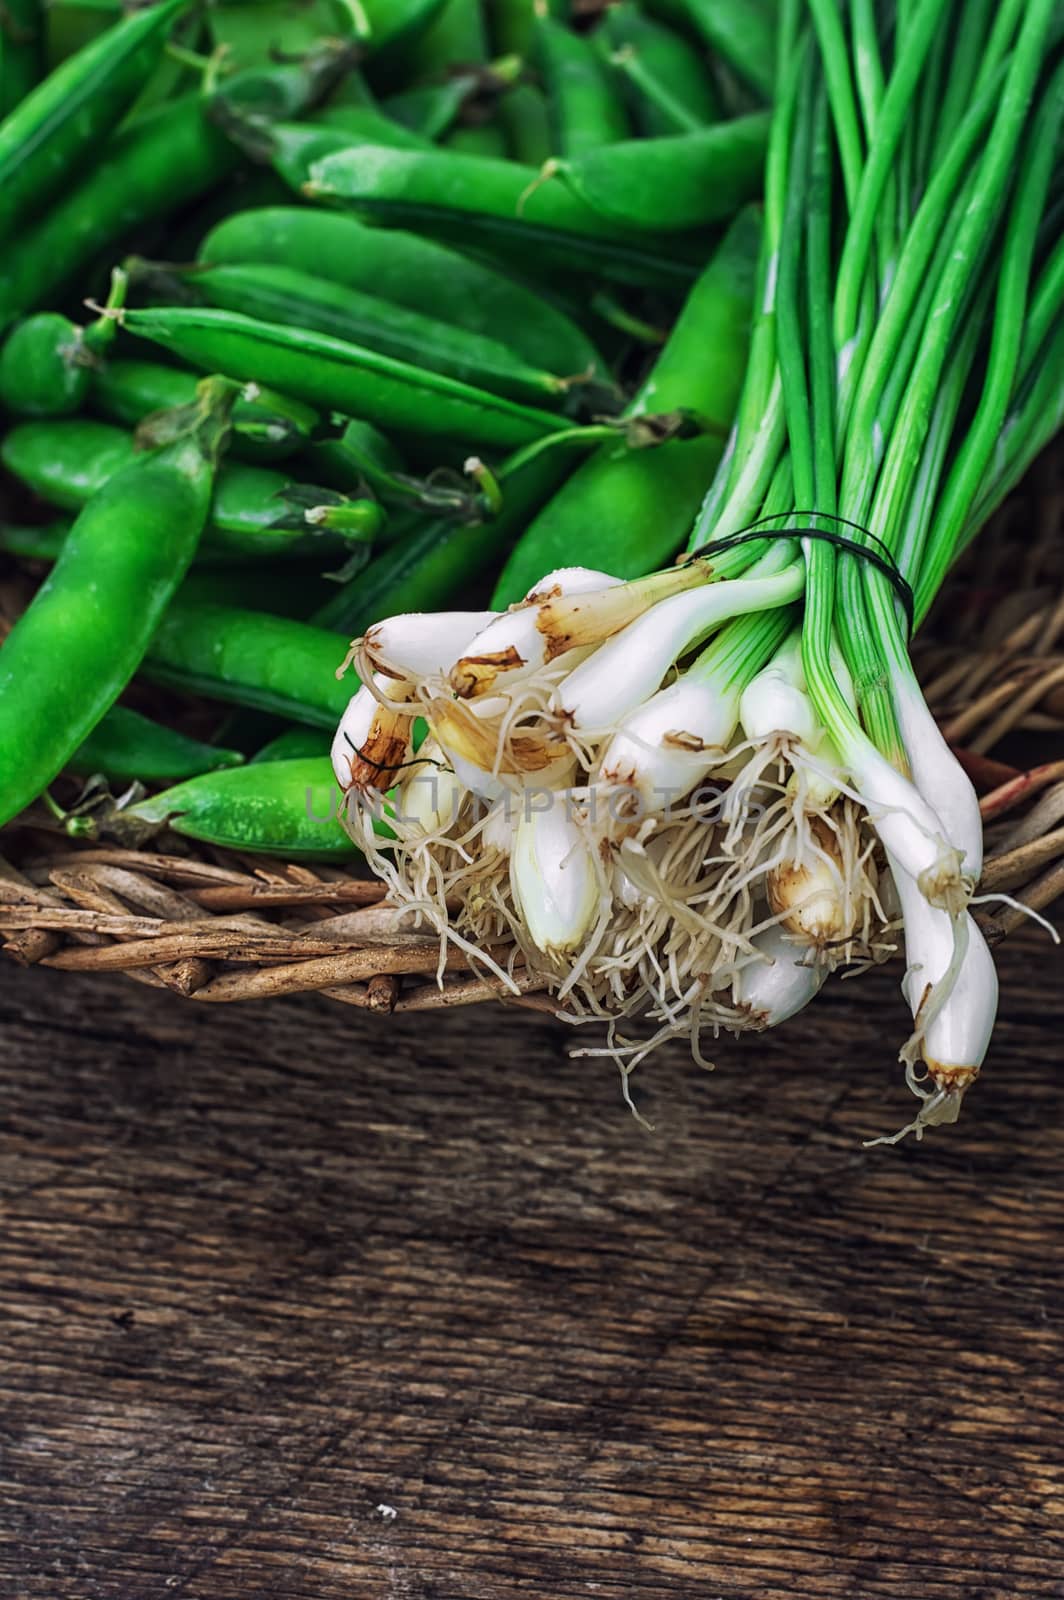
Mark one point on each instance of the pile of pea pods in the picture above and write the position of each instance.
(316, 313)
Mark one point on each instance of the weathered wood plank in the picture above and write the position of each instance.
(267, 1270)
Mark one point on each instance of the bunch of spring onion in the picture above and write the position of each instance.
(692, 796)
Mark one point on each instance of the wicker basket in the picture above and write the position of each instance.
(215, 926)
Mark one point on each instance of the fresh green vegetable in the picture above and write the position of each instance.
(328, 372)
(53, 131)
(629, 511)
(742, 32)
(667, 185)
(266, 426)
(585, 111)
(21, 51)
(457, 37)
(289, 297)
(46, 362)
(395, 26)
(75, 648)
(44, 367)
(478, 139)
(125, 745)
(423, 228)
(255, 513)
(498, 205)
(411, 271)
(260, 31)
(287, 808)
(268, 663)
(361, 454)
(669, 84)
(437, 558)
(431, 110)
(34, 543)
(525, 118)
(744, 787)
(347, 125)
(66, 462)
(150, 168)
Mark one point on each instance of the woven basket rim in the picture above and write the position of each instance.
(215, 926)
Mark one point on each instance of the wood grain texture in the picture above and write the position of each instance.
(269, 1271)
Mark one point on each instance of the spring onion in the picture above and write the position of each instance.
(691, 798)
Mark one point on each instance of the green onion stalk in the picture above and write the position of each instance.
(693, 796)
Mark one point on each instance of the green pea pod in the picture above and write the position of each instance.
(125, 746)
(669, 185)
(255, 33)
(47, 362)
(337, 376)
(357, 519)
(21, 51)
(283, 808)
(394, 27)
(669, 82)
(585, 111)
(659, 113)
(293, 745)
(278, 89)
(628, 512)
(288, 589)
(497, 206)
(268, 663)
(456, 38)
(525, 117)
(484, 139)
(59, 124)
(42, 543)
(436, 560)
(294, 148)
(410, 271)
(66, 462)
(398, 24)
(169, 76)
(44, 367)
(356, 460)
(80, 640)
(360, 458)
(432, 109)
(266, 426)
(742, 32)
(512, 23)
(256, 512)
(356, 123)
(296, 299)
(148, 170)
(69, 462)
(362, 454)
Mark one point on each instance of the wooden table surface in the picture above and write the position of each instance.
(300, 1302)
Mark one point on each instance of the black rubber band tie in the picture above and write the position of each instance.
(882, 559)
